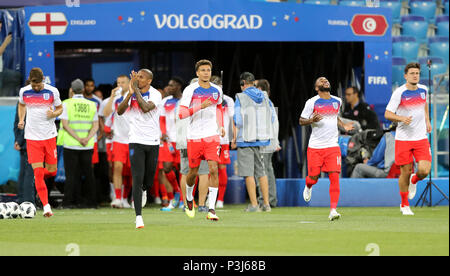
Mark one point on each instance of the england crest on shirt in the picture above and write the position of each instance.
(422, 94)
(145, 98)
(215, 96)
(46, 96)
(335, 105)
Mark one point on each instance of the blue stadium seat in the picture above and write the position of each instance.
(398, 66)
(425, 8)
(405, 46)
(395, 6)
(317, 2)
(438, 46)
(415, 26)
(442, 25)
(437, 66)
(354, 3)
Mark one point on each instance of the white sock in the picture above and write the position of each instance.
(189, 191)
(212, 197)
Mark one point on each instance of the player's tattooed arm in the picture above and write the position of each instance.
(124, 104)
(346, 126)
(144, 105)
(316, 117)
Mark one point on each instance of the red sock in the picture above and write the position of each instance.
(173, 181)
(310, 182)
(170, 196)
(48, 174)
(41, 188)
(334, 189)
(223, 179)
(415, 179)
(404, 196)
(162, 191)
(118, 193)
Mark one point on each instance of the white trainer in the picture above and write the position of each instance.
(117, 203)
(412, 188)
(334, 215)
(307, 193)
(219, 204)
(406, 211)
(125, 203)
(144, 198)
(158, 200)
(47, 211)
(139, 222)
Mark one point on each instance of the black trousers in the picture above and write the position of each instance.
(143, 159)
(78, 163)
(27, 192)
(101, 173)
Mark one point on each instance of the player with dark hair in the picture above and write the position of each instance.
(141, 105)
(202, 102)
(169, 155)
(42, 104)
(324, 154)
(408, 107)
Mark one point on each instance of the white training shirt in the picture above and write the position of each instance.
(38, 126)
(203, 123)
(121, 125)
(144, 127)
(325, 133)
(407, 103)
(228, 113)
(65, 116)
(168, 106)
(101, 113)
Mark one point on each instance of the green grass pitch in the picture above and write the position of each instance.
(284, 231)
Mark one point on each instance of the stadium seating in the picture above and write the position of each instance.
(317, 2)
(415, 26)
(354, 3)
(442, 25)
(438, 46)
(405, 46)
(398, 66)
(395, 6)
(437, 67)
(425, 8)
(446, 7)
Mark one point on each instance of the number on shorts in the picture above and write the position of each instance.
(218, 150)
(339, 160)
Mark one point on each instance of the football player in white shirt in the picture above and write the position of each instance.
(120, 152)
(37, 101)
(324, 154)
(202, 102)
(408, 107)
(141, 105)
(169, 155)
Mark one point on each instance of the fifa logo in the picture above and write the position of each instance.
(373, 3)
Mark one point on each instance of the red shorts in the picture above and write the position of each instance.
(121, 153)
(109, 151)
(169, 154)
(325, 160)
(95, 154)
(203, 149)
(42, 151)
(224, 154)
(406, 150)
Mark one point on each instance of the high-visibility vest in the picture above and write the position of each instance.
(81, 113)
(61, 131)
